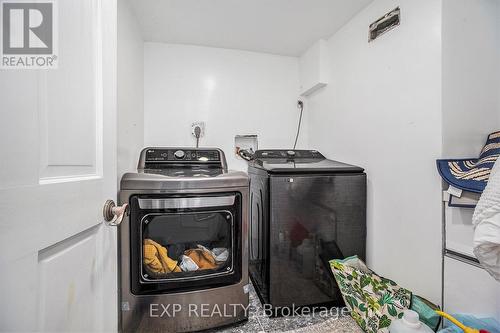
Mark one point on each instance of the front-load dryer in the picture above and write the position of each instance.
(183, 263)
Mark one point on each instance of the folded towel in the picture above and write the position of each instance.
(486, 222)
(471, 174)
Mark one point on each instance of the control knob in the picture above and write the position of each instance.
(179, 154)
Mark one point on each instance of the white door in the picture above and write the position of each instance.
(57, 168)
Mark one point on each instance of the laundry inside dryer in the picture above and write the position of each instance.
(192, 244)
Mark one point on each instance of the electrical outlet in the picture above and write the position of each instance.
(201, 125)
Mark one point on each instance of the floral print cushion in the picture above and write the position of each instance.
(373, 300)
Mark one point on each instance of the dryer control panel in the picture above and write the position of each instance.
(181, 157)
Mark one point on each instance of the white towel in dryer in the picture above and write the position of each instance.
(486, 222)
(187, 264)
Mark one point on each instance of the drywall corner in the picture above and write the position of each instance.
(130, 86)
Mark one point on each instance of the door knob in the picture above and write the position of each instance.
(113, 214)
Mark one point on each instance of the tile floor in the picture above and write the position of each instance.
(258, 322)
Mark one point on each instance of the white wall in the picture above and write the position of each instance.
(234, 92)
(130, 86)
(471, 75)
(382, 110)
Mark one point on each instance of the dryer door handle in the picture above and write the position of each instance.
(113, 214)
(187, 202)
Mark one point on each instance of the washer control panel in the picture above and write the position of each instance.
(288, 154)
(181, 156)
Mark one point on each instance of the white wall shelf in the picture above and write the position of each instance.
(466, 286)
(313, 68)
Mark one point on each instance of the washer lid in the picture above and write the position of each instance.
(299, 161)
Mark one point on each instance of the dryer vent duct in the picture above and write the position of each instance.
(384, 24)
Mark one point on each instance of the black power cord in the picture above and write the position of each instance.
(300, 105)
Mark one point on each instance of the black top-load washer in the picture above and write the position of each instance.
(305, 210)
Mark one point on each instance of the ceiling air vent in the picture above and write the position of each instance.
(384, 24)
